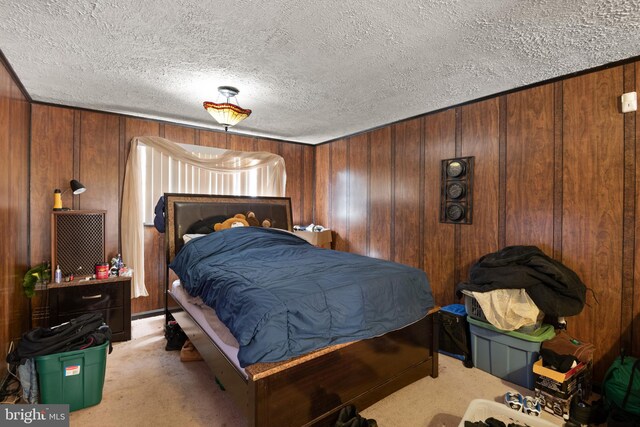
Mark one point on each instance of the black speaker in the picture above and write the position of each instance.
(77, 241)
(456, 190)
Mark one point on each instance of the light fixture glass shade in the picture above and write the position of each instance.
(76, 187)
(226, 114)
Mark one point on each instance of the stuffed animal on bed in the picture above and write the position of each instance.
(252, 220)
(238, 220)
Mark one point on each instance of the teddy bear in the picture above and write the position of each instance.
(238, 220)
(252, 220)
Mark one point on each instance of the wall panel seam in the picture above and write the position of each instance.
(314, 183)
(502, 172)
(29, 131)
(457, 228)
(348, 194)
(558, 117)
(422, 190)
(121, 170)
(628, 231)
(392, 228)
(368, 228)
(77, 129)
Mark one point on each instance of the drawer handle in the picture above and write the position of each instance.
(92, 296)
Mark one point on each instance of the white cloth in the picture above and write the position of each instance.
(508, 309)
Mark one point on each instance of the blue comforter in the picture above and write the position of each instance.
(282, 297)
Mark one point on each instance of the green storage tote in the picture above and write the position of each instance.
(73, 377)
(508, 355)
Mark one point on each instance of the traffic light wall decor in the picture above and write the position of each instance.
(456, 190)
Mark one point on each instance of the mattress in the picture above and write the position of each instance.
(208, 320)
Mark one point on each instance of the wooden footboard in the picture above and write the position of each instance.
(362, 373)
(312, 389)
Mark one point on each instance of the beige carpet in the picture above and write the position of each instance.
(148, 386)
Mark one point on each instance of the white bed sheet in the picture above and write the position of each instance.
(209, 322)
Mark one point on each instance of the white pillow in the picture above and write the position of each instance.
(188, 237)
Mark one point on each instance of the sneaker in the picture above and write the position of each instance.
(175, 336)
(531, 406)
(514, 400)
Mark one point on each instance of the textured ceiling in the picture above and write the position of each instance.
(311, 71)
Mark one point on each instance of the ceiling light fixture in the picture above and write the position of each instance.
(227, 114)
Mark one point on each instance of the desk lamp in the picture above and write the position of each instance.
(76, 188)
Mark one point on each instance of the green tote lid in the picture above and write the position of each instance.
(543, 333)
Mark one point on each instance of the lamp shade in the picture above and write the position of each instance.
(226, 113)
(76, 187)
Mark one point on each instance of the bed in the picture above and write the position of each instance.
(309, 389)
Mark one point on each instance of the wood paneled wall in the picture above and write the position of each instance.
(555, 167)
(68, 143)
(14, 186)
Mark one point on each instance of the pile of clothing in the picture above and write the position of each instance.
(518, 284)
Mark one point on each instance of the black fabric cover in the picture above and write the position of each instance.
(553, 287)
(83, 331)
(205, 226)
(349, 417)
(559, 362)
(454, 336)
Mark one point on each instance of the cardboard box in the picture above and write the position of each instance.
(559, 377)
(563, 385)
(317, 238)
(555, 405)
(556, 389)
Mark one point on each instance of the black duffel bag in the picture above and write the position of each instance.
(86, 330)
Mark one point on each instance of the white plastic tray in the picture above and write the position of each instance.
(481, 409)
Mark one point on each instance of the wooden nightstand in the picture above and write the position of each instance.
(111, 297)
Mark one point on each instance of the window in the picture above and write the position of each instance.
(156, 165)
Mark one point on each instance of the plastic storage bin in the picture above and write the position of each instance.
(508, 355)
(73, 377)
(473, 308)
(480, 410)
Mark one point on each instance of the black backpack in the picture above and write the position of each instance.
(86, 330)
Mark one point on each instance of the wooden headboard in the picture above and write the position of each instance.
(184, 211)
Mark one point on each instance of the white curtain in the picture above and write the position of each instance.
(235, 173)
